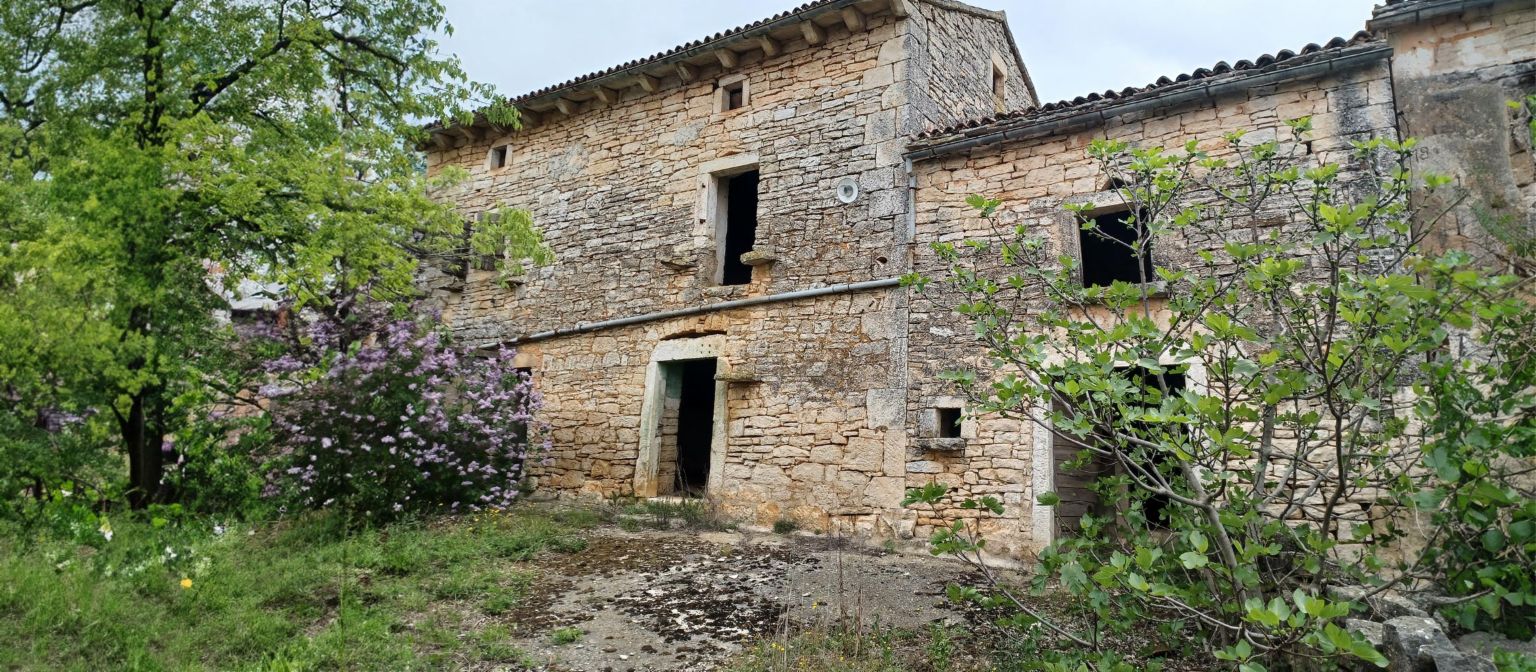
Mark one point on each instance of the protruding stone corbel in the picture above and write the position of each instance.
(728, 58)
(769, 45)
(678, 262)
(647, 82)
(566, 106)
(469, 133)
(687, 72)
(761, 256)
(899, 9)
(813, 33)
(853, 19)
(607, 95)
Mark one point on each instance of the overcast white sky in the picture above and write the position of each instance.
(1072, 47)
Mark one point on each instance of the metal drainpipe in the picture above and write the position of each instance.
(709, 308)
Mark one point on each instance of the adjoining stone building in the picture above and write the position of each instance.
(731, 218)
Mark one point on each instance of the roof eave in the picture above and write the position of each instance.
(1073, 117)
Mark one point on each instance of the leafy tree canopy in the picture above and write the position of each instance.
(160, 152)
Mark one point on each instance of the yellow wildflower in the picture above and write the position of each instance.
(186, 582)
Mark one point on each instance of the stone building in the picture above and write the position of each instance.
(731, 218)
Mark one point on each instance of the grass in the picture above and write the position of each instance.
(693, 514)
(843, 648)
(565, 636)
(298, 595)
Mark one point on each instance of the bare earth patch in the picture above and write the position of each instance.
(686, 600)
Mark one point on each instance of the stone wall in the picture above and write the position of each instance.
(1454, 74)
(619, 190)
(806, 439)
(955, 48)
(815, 387)
(1036, 178)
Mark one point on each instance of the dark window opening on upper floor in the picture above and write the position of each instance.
(1109, 250)
(740, 226)
(733, 95)
(498, 158)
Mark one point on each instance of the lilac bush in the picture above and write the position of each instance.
(400, 422)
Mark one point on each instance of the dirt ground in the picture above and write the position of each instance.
(687, 600)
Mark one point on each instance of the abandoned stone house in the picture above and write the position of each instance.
(731, 218)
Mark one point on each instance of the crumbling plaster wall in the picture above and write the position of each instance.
(1454, 75)
(1036, 178)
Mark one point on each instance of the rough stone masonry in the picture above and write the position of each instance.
(749, 200)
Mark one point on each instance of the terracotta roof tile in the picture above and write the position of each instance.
(1264, 63)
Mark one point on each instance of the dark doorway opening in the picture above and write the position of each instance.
(1157, 386)
(695, 426)
(1075, 482)
(740, 193)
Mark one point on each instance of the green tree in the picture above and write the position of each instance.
(1356, 413)
(159, 152)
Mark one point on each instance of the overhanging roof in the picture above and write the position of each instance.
(1203, 83)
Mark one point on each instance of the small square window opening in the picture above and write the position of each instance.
(733, 94)
(1109, 253)
(498, 159)
(948, 420)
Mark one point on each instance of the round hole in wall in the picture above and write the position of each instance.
(847, 190)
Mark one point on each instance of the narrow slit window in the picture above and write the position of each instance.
(1110, 250)
(498, 159)
(738, 231)
(948, 423)
(999, 89)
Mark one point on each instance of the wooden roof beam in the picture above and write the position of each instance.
(813, 33)
(853, 19)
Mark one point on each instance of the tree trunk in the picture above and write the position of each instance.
(146, 464)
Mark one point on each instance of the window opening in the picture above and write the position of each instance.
(498, 157)
(733, 95)
(999, 89)
(740, 230)
(1108, 252)
(948, 423)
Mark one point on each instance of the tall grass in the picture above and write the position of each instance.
(303, 594)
